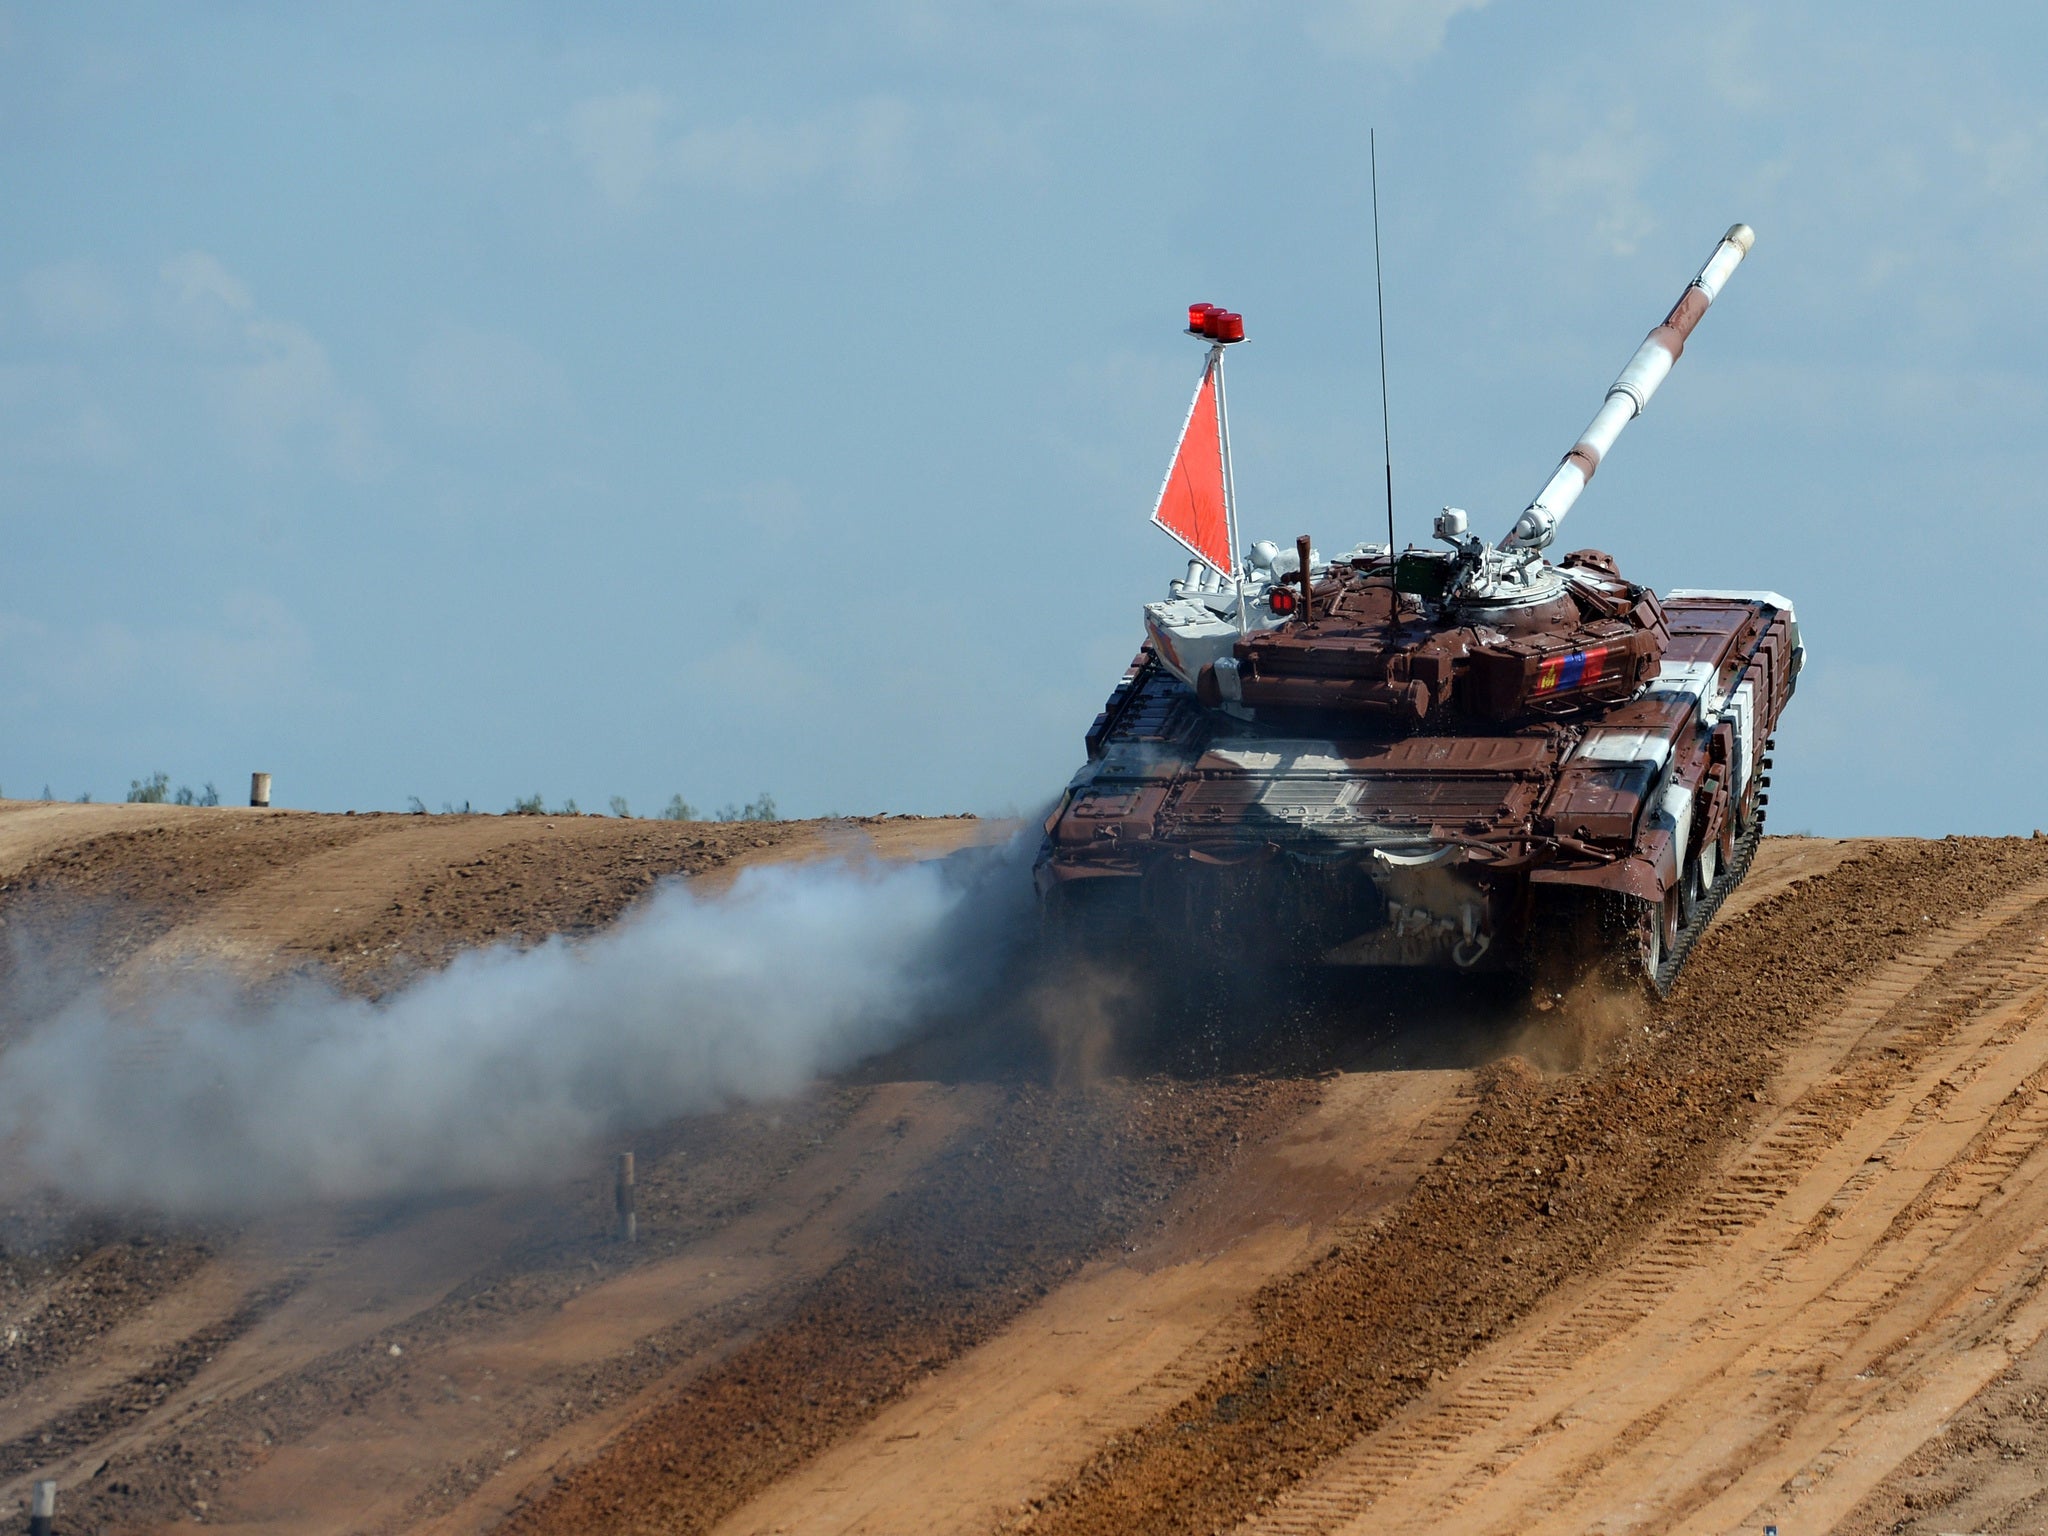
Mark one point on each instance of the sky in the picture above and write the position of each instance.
(464, 402)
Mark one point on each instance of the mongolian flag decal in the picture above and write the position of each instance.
(1575, 669)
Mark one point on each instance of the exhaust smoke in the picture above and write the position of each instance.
(200, 1099)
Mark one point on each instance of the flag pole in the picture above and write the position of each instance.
(1229, 487)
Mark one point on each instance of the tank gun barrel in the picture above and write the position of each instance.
(1627, 396)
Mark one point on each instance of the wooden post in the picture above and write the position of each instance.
(622, 1197)
(42, 1509)
(259, 789)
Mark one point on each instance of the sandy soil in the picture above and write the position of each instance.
(1398, 1259)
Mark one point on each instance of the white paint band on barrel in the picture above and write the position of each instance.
(1628, 395)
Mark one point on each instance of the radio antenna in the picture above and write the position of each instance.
(1380, 292)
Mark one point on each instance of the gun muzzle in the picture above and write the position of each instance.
(1629, 393)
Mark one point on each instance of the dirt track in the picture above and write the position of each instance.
(1398, 1261)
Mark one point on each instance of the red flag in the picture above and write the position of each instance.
(1191, 503)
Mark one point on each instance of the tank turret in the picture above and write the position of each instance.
(1490, 632)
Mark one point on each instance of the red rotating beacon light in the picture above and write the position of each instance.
(1212, 322)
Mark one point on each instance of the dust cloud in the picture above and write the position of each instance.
(1078, 1010)
(197, 1098)
(1572, 1028)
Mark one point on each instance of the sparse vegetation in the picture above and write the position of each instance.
(156, 790)
(534, 805)
(760, 808)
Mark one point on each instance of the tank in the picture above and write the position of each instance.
(1469, 757)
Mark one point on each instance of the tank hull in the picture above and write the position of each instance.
(1293, 837)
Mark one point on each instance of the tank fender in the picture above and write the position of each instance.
(1260, 854)
(1637, 876)
(1049, 874)
(1052, 817)
(1670, 823)
(1740, 712)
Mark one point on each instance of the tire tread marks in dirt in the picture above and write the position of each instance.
(1951, 1006)
(1050, 1179)
(75, 914)
(696, 1177)
(78, 912)
(55, 1306)
(1983, 1472)
(141, 1394)
(1551, 1178)
(83, 910)
(525, 890)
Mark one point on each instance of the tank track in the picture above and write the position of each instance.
(1665, 976)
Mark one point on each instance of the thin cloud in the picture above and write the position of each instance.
(269, 381)
(1388, 31)
(251, 647)
(74, 298)
(865, 150)
(617, 139)
(483, 381)
(751, 668)
(50, 415)
(1598, 181)
(631, 146)
(201, 300)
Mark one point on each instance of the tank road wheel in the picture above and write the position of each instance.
(1660, 926)
(1695, 883)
